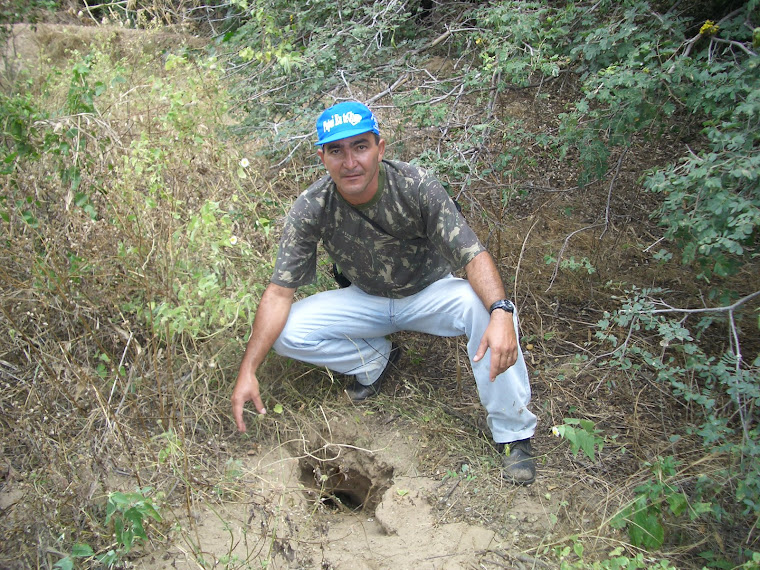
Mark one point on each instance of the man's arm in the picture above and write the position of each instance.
(270, 319)
(500, 335)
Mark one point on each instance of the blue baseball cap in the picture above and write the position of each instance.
(345, 120)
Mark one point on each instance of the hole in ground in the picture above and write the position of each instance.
(355, 482)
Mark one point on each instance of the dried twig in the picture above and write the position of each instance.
(562, 250)
(609, 192)
(519, 259)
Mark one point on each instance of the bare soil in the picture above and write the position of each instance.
(339, 505)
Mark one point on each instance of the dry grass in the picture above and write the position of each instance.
(99, 397)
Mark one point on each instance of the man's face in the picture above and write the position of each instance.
(354, 164)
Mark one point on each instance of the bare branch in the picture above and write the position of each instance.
(740, 45)
(398, 83)
(727, 308)
(301, 139)
(519, 259)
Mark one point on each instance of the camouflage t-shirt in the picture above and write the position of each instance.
(418, 236)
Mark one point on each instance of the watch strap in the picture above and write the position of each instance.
(504, 304)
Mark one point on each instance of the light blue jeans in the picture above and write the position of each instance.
(345, 330)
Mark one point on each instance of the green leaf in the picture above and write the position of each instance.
(64, 563)
(82, 550)
(678, 503)
(645, 530)
(108, 559)
(29, 218)
(587, 442)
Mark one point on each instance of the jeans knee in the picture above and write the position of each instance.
(286, 343)
(279, 346)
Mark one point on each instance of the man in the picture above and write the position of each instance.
(397, 236)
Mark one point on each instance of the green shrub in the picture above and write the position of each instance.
(711, 200)
(722, 388)
(640, 71)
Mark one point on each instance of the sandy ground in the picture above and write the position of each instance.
(340, 506)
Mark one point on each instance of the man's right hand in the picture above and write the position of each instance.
(270, 320)
(246, 390)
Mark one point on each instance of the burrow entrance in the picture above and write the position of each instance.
(354, 481)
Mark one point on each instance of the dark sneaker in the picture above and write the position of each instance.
(518, 464)
(358, 392)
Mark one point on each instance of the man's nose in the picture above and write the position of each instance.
(349, 160)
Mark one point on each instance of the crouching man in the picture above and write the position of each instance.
(397, 237)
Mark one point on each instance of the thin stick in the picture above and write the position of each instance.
(519, 259)
(609, 192)
(561, 251)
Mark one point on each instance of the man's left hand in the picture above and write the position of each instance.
(501, 338)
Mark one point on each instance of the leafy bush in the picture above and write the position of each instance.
(583, 437)
(723, 387)
(639, 71)
(127, 514)
(523, 42)
(656, 501)
(711, 206)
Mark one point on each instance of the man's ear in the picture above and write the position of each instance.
(381, 147)
(321, 154)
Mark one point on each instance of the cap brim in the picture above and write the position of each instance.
(343, 135)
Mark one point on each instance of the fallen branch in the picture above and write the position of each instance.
(398, 83)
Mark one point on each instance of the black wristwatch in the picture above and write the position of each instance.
(505, 304)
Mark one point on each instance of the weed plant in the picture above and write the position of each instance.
(135, 239)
